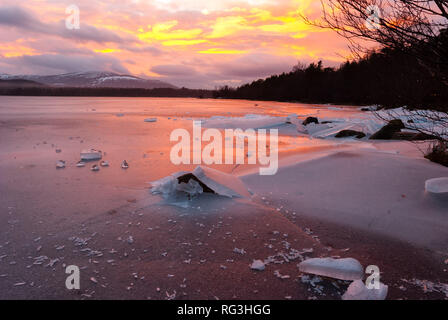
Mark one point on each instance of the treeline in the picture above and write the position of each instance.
(105, 92)
(387, 77)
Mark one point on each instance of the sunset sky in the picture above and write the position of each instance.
(198, 44)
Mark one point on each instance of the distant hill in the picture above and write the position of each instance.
(91, 80)
(22, 83)
(44, 90)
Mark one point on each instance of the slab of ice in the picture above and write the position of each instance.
(150, 120)
(124, 164)
(91, 154)
(81, 164)
(358, 291)
(437, 185)
(167, 186)
(104, 163)
(368, 126)
(202, 179)
(60, 164)
(221, 183)
(343, 269)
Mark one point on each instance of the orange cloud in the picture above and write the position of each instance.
(142, 35)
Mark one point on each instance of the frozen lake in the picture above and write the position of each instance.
(376, 188)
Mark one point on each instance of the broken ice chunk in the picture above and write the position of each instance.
(221, 183)
(60, 164)
(81, 164)
(91, 154)
(343, 269)
(437, 186)
(257, 265)
(19, 284)
(104, 163)
(358, 291)
(209, 180)
(240, 251)
(124, 164)
(95, 168)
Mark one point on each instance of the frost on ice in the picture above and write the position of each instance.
(200, 180)
(343, 269)
(358, 291)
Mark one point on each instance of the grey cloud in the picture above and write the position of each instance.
(18, 17)
(54, 63)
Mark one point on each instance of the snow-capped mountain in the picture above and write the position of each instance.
(92, 80)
